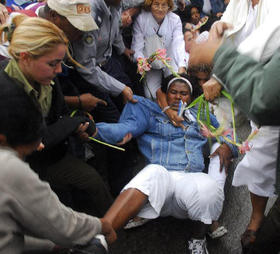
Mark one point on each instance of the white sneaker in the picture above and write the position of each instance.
(102, 241)
(197, 246)
(135, 223)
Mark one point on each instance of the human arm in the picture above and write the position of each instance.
(138, 39)
(254, 86)
(38, 211)
(225, 156)
(84, 101)
(134, 119)
(59, 124)
(85, 54)
(178, 43)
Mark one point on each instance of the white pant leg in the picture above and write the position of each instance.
(257, 169)
(152, 83)
(155, 182)
(198, 197)
(214, 168)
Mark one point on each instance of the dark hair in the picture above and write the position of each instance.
(167, 79)
(21, 121)
(192, 70)
(196, 87)
(187, 12)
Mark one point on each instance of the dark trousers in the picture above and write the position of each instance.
(72, 174)
(268, 237)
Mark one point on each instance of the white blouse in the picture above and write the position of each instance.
(170, 31)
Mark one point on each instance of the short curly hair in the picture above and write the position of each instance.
(148, 3)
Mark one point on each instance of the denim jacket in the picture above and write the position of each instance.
(158, 140)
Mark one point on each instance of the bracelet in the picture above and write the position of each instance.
(167, 107)
(80, 103)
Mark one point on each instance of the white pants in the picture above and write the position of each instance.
(183, 195)
(257, 169)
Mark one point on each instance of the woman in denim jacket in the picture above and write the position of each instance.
(173, 183)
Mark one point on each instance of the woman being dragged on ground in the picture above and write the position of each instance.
(173, 184)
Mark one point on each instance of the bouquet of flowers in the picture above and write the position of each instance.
(144, 64)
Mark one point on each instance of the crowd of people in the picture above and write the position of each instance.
(77, 73)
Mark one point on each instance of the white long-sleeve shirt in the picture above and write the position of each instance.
(170, 31)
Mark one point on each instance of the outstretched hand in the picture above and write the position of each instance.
(217, 31)
(225, 156)
(89, 102)
(128, 95)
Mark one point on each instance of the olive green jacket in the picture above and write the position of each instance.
(255, 87)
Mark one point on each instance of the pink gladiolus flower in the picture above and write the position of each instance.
(146, 66)
(244, 147)
(143, 65)
(141, 70)
(161, 53)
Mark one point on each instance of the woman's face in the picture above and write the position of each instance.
(177, 91)
(159, 9)
(188, 37)
(43, 69)
(195, 15)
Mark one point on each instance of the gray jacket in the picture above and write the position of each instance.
(28, 206)
(95, 48)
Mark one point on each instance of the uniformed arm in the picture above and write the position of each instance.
(138, 38)
(134, 119)
(85, 54)
(253, 86)
(118, 41)
(36, 208)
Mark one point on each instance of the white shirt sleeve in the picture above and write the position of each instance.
(138, 39)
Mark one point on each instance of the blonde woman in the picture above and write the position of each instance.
(38, 48)
(158, 27)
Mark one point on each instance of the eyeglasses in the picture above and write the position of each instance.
(160, 6)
